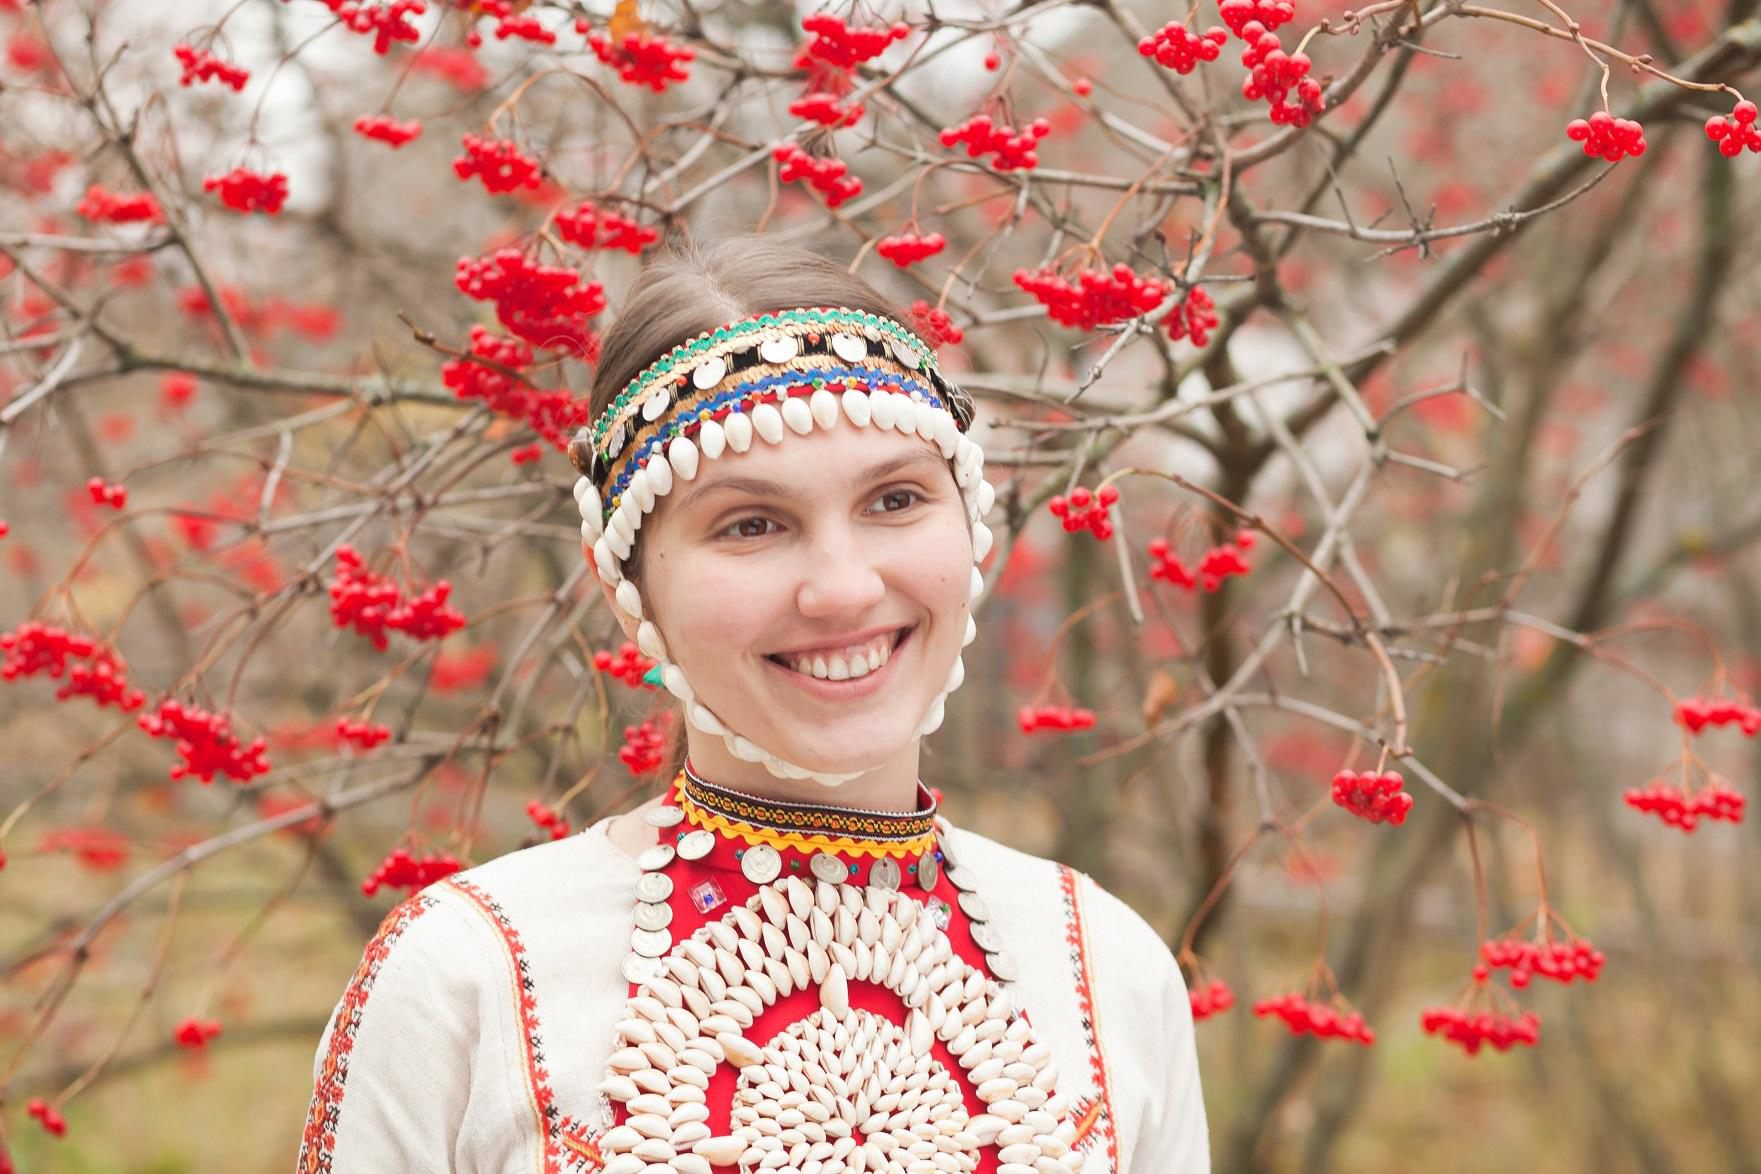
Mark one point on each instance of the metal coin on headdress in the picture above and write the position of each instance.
(761, 864)
(949, 860)
(974, 906)
(957, 876)
(656, 401)
(928, 871)
(849, 347)
(906, 355)
(658, 856)
(828, 868)
(986, 937)
(639, 970)
(653, 915)
(780, 349)
(885, 873)
(615, 443)
(1003, 966)
(650, 943)
(654, 886)
(696, 845)
(664, 816)
(709, 373)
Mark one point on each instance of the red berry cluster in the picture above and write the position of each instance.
(554, 415)
(1605, 135)
(1217, 564)
(387, 129)
(386, 22)
(907, 248)
(195, 1033)
(642, 747)
(119, 207)
(104, 680)
(934, 325)
(838, 44)
(1083, 510)
(199, 65)
(592, 227)
(1300, 1015)
(498, 163)
(1469, 1030)
(1696, 713)
(825, 108)
(244, 190)
(1238, 14)
(115, 496)
(544, 817)
(1053, 717)
(99, 848)
(33, 648)
(1014, 149)
(400, 870)
(371, 604)
(627, 664)
(1178, 48)
(525, 26)
(1376, 798)
(526, 454)
(1272, 75)
(1211, 999)
(547, 305)
(51, 1119)
(1099, 295)
(654, 62)
(361, 733)
(1736, 130)
(1680, 810)
(826, 175)
(1193, 318)
(206, 743)
(1559, 961)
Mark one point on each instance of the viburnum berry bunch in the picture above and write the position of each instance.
(1083, 510)
(104, 678)
(525, 26)
(361, 733)
(1469, 1030)
(554, 415)
(1194, 318)
(1696, 713)
(907, 248)
(199, 65)
(372, 604)
(1273, 74)
(101, 204)
(652, 61)
(826, 175)
(498, 163)
(1062, 718)
(1014, 149)
(387, 129)
(546, 305)
(1320, 1019)
(627, 664)
(826, 108)
(98, 849)
(934, 325)
(387, 22)
(33, 648)
(1178, 48)
(1736, 130)
(51, 1119)
(1559, 961)
(1217, 564)
(104, 493)
(194, 1034)
(1211, 998)
(206, 743)
(1372, 797)
(1679, 809)
(588, 226)
(1603, 134)
(643, 746)
(400, 870)
(1238, 14)
(845, 47)
(1099, 296)
(247, 191)
(547, 819)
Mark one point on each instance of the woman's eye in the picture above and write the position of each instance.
(734, 529)
(897, 493)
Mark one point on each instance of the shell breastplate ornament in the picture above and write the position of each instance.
(818, 990)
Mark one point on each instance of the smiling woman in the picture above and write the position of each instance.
(784, 505)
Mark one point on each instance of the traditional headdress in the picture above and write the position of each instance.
(767, 376)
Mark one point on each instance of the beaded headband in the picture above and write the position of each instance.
(795, 370)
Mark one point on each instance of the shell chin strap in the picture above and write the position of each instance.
(612, 541)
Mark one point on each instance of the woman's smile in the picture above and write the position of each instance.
(850, 689)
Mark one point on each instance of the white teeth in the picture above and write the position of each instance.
(839, 667)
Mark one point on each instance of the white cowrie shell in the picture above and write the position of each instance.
(711, 439)
(648, 638)
(619, 544)
(583, 489)
(883, 408)
(956, 675)
(971, 631)
(947, 434)
(932, 721)
(797, 415)
(720, 1151)
(987, 496)
(674, 676)
(655, 403)
(738, 427)
(641, 489)
(905, 418)
(856, 405)
(660, 476)
(683, 455)
(849, 347)
(709, 373)
(824, 406)
(744, 750)
(834, 992)
(977, 583)
(629, 599)
(621, 526)
(768, 422)
(706, 721)
(779, 350)
(689, 1163)
(981, 541)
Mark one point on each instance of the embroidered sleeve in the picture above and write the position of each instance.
(393, 1073)
(1174, 1135)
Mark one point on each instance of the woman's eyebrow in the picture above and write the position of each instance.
(762, 487)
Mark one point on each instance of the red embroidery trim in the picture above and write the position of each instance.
(318, 1142)
(1096, 1113)
(568, 1143)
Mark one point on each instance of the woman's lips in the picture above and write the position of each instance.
(847, 690)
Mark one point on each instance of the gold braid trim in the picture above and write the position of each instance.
(696, 814)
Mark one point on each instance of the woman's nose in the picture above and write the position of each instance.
(839, 575)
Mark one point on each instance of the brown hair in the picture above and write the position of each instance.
(687, 288)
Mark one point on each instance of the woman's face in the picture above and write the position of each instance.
(859, 530)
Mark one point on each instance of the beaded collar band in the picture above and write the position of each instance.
(768, 376)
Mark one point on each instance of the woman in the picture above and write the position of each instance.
(788, 959)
